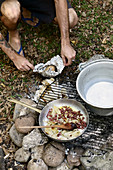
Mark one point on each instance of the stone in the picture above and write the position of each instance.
(2, 162)
(22, 110)
(21, 155)
(24, 121)
(58, 145)
(64, 166)
(37, 152)
(50, 168)
(36, 164)
(53, 156)
(33, 139)
(16, 137)
(73, 160)
(17, 110)
(73, 157)
(109, 142)
(96, 159)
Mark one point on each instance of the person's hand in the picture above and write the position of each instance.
(11, 9)
(22, 63)
(68, 54)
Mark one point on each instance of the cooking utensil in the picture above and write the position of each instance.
(58, 103)
(10, 99)
(95, 86)
(67, 126)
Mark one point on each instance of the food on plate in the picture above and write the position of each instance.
(64, 115)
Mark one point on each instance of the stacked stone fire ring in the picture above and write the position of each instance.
(58, 103)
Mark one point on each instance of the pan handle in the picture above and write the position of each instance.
(10, 99)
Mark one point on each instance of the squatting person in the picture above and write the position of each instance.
(34, 13)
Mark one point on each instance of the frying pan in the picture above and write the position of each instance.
(58, 103)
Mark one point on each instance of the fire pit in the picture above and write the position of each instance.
(96, 136)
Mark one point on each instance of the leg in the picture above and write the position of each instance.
(10, 17)
(73, 18)
(20, 62)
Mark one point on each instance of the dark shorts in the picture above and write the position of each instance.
(44, 10)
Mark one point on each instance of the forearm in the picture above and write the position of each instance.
(6, 47)
(63, 19)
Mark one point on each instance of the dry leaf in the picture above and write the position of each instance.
(83, 14)
(1, 140)
(5, 150)
(111, 26)
(104, 41)
(2, 84)
(1, 110)
(2, 119)
(74, 41)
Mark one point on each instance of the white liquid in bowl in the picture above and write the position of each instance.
(100, 94)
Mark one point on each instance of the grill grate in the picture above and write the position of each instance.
(99, 129)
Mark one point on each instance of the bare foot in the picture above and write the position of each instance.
(15, 42)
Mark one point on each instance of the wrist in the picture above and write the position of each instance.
(12, 56)
(65, 42)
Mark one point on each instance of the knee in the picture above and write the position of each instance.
(11, 11)
(73, 18)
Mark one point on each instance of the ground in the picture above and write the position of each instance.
(92, 35)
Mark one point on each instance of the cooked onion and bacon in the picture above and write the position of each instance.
(64, 115)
